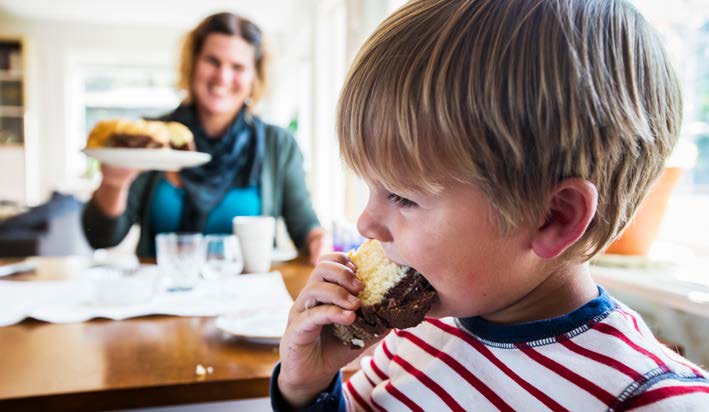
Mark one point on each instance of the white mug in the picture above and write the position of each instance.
(255, 235)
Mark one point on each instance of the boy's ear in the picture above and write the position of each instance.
(570, 209)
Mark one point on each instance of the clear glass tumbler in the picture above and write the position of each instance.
(180, 257)
(222, 258)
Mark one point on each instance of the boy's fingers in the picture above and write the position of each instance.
(306, 327)
(326, 293)
(339, 257)
(332, 272)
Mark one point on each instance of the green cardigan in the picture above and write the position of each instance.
(283, 193)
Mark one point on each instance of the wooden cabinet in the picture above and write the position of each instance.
(11, 93)
(13, 134)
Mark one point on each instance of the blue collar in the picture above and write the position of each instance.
(578, 320)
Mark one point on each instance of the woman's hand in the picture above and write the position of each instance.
(319, 242)
(117, 177)
(310, 355)
(112, 194)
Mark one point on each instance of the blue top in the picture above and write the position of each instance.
(167, 205)
(331, 399)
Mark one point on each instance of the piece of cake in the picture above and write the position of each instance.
(394, 296)
(143, 134)
(180, 136)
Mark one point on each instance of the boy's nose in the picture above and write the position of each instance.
(370, 226)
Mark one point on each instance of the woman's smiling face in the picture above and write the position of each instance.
(224, 74)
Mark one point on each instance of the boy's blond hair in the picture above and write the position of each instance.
(514, 96)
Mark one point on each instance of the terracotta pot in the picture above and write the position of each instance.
(643, 229)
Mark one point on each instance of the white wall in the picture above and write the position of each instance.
(318, 48)
(12, 174)
(51, 46)
(310, 57)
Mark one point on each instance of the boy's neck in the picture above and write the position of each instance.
(560, 293)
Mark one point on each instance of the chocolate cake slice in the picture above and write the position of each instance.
(134, 141)
(394, 296)
(140, 134)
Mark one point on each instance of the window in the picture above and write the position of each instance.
(700, 174)
(105, 91)
(684, 28)
(131, 92)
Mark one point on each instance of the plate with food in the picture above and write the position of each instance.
(144, 144)
(148, 159)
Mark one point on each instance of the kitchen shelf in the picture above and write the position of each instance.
(12, 93)
(10, 75)
(11, 111)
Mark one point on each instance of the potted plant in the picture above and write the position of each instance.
(642, 231)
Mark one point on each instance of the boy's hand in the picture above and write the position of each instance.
(311, 355)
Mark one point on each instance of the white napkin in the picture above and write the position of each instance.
(73, 301)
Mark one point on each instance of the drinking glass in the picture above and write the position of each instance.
(180, 257)
(222, 257)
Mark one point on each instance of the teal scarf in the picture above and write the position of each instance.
(237, 159)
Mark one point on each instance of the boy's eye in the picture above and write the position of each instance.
(401, 201)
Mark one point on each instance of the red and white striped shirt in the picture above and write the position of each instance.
(600, 357)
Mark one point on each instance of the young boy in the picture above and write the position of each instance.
(504, 143)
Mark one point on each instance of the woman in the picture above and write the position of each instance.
(256, 168)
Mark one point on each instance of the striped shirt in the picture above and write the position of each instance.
(600, 357)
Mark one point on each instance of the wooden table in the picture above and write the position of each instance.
(148, 361)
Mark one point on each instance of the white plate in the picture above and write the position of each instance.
(148, 159)
(259, 325)
(283, 255)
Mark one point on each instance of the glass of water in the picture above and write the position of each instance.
(180, 258)
(222, 258)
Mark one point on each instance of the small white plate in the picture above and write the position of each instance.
(148, 159)
(259, 325)
(283, 255)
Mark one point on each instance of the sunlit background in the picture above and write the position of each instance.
(66, 64)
